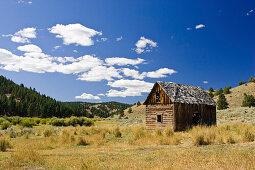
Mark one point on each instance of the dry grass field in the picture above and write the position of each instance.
(103, 147)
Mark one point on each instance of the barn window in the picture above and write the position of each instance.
(157, 97)
(159, 118)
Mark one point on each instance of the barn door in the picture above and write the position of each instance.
(196, 118)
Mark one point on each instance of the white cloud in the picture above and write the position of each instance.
(188, 29)
(25, 2)
(129, 88)
(119, 38)
(123, 61)
(163, 72)
(30, 48)
(99, 73)
(133, 73)
(75, 51)
(23, 36)
(144, 45)
(200, 26)
(250, 12)
(101, 94)
(40, 63)
(75, 34)
(57, 47)
(87, 96)
(205, 82)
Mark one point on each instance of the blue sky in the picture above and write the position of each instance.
(115, 50)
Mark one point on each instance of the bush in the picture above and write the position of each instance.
(47, 132)
(218, 92)
(222, 102)
(138, 103)
(226, 90)
(130, 110)
(211, 94)
(28, 122)
(15, 120)
(4, 144)
(251, 79)
(241, 83)
(5, 124)
(82, 141)
(248, 136)
(248, 101)
(57, 122)
(43, 121)
(117, 132)
(211, 89)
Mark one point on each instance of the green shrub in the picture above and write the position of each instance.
(5, 124)
(222, 102)
(251, 79)
(43, 121)
(28, 122)
(57, 122)
(226, 90)
(241, 83)
(4, 144)
(248, 101)
(15, 120)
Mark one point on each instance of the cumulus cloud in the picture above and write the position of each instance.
(128, 88)
(133, 73)
(200, 26)
(75, 34)
(163, 72)
(101, 94)
(23, 35)
(144, 45)
(119, 38)
(123, 61)
(30, 48)
(205, 82)
(38, 62)
(87, 96)
(100, 73)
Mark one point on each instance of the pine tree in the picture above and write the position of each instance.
(248, 101)
(241, 83)
(130, 110)
(211, 94)
(251, 79)
(211, 89)
(222, 102)
(226, 90)
(138, 103)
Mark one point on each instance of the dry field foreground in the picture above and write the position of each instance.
(222, 147)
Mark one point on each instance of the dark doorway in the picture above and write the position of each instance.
(196, 118)
(159, 118)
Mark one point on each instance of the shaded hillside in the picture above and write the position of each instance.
(104, 109)
(17, 100)
(236, 96)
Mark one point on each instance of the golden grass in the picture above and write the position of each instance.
(222, 147)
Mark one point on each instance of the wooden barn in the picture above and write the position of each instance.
(178, 106)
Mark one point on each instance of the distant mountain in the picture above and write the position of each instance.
(17, 100)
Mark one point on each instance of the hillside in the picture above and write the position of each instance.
(17, 100)
(235, 98)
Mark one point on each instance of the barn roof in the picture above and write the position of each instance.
(186, 94)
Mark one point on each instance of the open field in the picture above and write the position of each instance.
(47, 147)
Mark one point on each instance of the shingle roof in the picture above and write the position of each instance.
(186, 94)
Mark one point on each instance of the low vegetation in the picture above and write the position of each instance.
(93, 147)
(7, 122)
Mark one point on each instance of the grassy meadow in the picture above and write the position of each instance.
(107, 146)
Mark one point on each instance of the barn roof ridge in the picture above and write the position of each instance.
(186, 94)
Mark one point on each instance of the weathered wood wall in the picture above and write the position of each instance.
(151, 116)
(183, 113)
(164, 99)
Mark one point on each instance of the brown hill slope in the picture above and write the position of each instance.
(235, 98)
